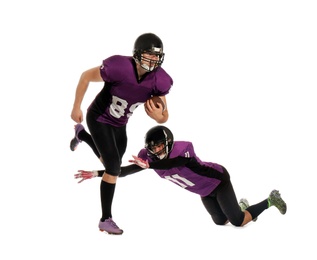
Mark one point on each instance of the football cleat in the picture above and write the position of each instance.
(75, 141)
(275, 199)
(244, 204)
(110, 227)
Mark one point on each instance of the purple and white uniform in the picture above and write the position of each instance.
(123, 92)
(109, 112)
(184, 176)
(209, 180)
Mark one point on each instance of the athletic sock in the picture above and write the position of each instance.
(256, 209)
(106, 195)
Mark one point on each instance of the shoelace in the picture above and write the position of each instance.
(112, 223)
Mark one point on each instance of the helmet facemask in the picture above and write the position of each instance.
(147, 63)
(161, 154)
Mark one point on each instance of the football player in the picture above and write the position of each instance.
(129, 81)
(177, 162)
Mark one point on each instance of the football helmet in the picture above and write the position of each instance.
(158, 135)
(151, 44)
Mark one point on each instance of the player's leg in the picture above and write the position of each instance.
(82, 135)
(274, 199)
(213, 208)
(104, 137)
(229, 205)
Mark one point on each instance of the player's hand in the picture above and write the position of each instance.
(140, 162)
(152, 111)
(85, 175)
(77, 115)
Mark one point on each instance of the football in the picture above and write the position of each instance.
(157, 99)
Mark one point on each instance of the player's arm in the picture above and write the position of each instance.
(91, 75)
(190, 163)
(160, 114)
(125, 170)
(169, 163)
(130, 169)
(160, 164)
(206, 171)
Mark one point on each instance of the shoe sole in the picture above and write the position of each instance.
(110, 233)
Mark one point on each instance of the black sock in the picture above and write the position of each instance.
(106, 195)
(256, 209)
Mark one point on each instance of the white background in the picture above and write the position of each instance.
(244, 93)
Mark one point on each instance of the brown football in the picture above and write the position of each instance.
(157, 99)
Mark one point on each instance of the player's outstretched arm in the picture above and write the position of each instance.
(125, 170)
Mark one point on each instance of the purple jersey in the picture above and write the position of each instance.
(123, 92)
(183, 176)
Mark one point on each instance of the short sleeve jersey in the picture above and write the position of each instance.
(183, 176)
(123, 92)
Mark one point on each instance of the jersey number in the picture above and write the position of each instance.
(184, 183)
(119, 105)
